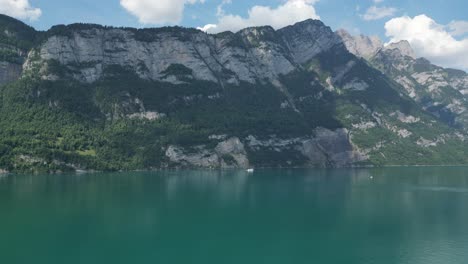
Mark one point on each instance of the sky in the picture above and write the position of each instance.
(437, 29)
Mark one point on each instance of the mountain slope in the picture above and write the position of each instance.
(442, 92)
(94, 97)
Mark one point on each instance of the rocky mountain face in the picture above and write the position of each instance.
(123, 98)
(252, 55)
(442, 92)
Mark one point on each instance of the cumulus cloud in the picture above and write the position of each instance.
(376, 13)
(288, 13)
(157, 11)
(430, 40)
(20, 9)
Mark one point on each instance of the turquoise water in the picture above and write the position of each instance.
(392, 215)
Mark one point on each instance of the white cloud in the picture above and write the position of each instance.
(288, 13)
(378, 1)
(207, 27)
(430, 40)
(375, 12)
(458, 28)
(157, 11)
(20, 9)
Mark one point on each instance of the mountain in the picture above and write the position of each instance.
(90, 97)
(440, 91)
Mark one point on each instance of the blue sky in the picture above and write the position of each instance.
(335, 13)
(443, 27)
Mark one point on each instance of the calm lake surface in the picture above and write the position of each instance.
(391, 215)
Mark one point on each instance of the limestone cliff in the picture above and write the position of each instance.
(251, 55)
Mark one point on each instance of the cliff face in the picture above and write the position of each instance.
(176, 97)
(251, 55)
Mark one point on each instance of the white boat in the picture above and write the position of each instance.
(250, 170)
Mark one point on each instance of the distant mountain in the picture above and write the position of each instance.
(361, 45)
(93, 97)
(442, 92)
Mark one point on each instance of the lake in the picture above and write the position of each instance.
(382, 215)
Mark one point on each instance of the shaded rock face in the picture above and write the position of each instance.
(16, 39)
(326, 148)
(331, 149)
(9, 72)
(227, 154)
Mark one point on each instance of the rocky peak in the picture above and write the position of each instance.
(368, 47)
(361, 46)
(308, 25)
(403, 47)
(308, 38)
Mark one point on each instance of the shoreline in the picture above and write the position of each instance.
(82, 172)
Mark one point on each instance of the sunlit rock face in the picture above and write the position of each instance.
(361, 46)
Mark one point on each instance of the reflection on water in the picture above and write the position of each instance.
(385, 215)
